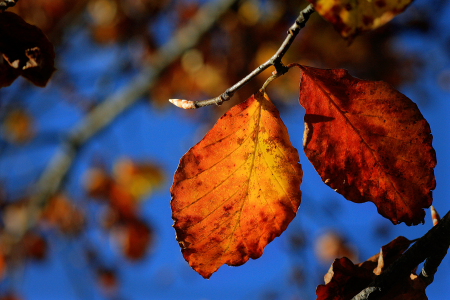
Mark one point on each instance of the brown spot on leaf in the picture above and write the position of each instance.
(367, 20)
(387, 144)
(380, 3)
(249, 192)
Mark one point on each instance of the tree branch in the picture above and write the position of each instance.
(275, 60)
(101, 116)
(432, 247)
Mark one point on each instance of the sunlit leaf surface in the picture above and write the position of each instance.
(237, 189)
(369, 142)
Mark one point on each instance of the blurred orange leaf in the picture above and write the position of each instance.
(369, 142)
(35, 245)
(10, 296)
(331, 245)
(351, 18)
(98, 183)
(135, 237)
(3, 263)
(62, 213)
(108, 281)
(18, 126)
(139, 178)
(131, 183)
(237, 189)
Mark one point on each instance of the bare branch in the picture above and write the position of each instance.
(432, 247)
(101, 116)
(275, 60)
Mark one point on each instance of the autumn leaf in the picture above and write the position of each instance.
(237, 189)
(351, 18)
(108, 281)
(130, 184)
(390, 253)
(344, 279)
(35, 245)
(3, 262)
(369, 142)
(135, 238)
(60, 212)
(140, 178)
(331, 245)
(19, 126)
(25, 51)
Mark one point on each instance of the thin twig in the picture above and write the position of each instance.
(101, 116)
(275, 60)
(431, 247)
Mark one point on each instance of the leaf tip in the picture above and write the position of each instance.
(434, 215)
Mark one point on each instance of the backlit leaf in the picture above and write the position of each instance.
(344, 279)
(237, 189)
(369, 142)
(391, 252)
(351, 18)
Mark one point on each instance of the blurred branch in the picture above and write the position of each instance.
(275, 60)
(101, 116)
(432, 247)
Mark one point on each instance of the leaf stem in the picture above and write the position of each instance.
(275, 61)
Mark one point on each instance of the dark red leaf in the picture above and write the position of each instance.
(369, 142)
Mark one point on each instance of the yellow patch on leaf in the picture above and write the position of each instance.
(350, 17)
(237, 189)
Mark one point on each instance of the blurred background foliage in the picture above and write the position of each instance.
(106, 233)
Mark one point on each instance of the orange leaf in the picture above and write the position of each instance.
(369, 142)
(139, 178)
(237, 189)
(62, 213)
(19, 126)
(351, 18)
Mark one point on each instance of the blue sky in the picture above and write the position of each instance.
(163, 135)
